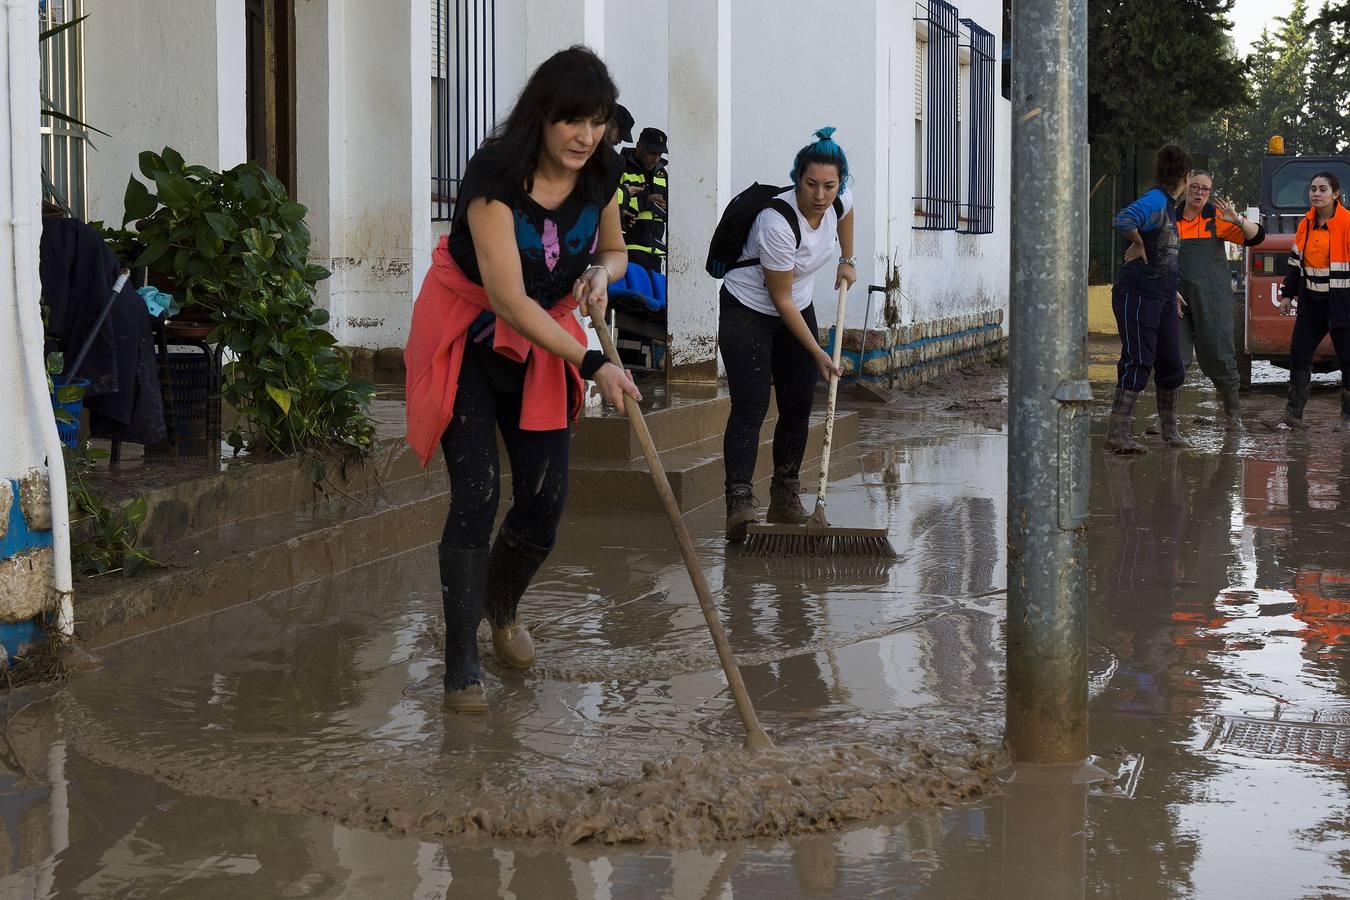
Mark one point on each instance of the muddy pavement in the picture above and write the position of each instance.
(295, 747)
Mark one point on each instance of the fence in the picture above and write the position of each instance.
(64, 143)
(464, 92)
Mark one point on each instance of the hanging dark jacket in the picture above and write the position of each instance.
(77, 271)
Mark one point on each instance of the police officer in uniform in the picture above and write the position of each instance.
(642, 200)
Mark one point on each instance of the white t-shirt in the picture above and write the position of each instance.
(771, 240)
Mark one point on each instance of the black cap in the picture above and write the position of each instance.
(623, 120)
(653, 139)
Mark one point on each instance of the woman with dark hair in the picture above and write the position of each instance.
(1148, 306)
(1205, 221)
(1317, 285)
(767, 328)
(495, 346)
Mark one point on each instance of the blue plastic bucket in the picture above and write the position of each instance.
(69, 431)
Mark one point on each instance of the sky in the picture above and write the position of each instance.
(1250, 16)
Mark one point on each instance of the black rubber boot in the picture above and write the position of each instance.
(463, 587)
(1344, 423)
(740, 512)
(785, 502)
(1118, 436)
(511, 567)
(1300, 385)
(1231, 417)
(1167, 418)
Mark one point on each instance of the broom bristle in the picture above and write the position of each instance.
(776, 543)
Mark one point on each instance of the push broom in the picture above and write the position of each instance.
(817, 537)
(755, 738)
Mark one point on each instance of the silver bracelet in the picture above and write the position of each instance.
(848, 261)
(595, 266)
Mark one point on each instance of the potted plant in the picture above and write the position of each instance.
(233, 246)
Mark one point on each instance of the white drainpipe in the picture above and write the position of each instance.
(25, 179)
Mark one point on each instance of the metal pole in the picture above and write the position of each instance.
(1049, 397)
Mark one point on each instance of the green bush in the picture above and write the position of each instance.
(234, 245)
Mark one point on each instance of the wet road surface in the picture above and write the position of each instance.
(282, 749)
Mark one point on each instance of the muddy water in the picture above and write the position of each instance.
(296, 747)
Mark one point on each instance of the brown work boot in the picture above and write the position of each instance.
(1167, 418)
(785, 502)
(1344, 423)
(740, 512)
(1118, 436)
(1231, 416)
(511, 567)
(1300, 385)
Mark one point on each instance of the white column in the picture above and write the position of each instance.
(320, 126)
(27, 566)
(700, 110)
(553, 25)
(156, 78)
(364, 159)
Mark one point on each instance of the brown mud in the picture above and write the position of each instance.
(297, 746)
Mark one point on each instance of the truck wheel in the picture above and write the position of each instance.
(1244, 362)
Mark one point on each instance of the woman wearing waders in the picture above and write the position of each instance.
(1204, 223)
(496, 346)
(767, 329)
(1147, 305)
(1318, 285)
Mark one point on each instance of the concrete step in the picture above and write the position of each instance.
(695, 471)
(676, 417)
(186, 499)
(248, 560)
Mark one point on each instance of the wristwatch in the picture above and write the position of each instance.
(848, 261)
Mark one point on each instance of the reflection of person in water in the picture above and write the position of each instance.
(1319, 514)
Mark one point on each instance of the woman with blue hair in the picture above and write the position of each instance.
(767, 328)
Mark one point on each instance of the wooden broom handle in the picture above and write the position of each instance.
(755, 738)
(834, 391)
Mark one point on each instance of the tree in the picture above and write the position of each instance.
(1328, 108)
(1336, 17)
(1235, 138)
(1155, 68)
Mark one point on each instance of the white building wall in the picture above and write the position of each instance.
(161, 74)
(379, 230)
(26, 556)
(637, 53)
(944, 273)
(788, 80)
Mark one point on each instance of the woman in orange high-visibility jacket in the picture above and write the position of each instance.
(1318, 287)
(1204, 223)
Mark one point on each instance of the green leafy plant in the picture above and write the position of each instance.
(107, 542)
(234, 245)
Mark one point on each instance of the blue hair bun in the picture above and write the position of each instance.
(825, 133)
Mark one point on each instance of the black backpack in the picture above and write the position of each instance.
(733, 229)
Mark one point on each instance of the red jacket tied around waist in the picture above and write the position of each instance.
(446, 306)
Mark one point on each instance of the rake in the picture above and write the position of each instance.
(817, 537)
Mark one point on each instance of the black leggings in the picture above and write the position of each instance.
(538, 467)
(759, 351)
(1310, 327)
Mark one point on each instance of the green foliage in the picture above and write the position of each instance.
(1154, 68)
(1298, 82)
(108, 542)
(235, 245)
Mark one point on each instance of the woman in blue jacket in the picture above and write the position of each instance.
(1147, 305)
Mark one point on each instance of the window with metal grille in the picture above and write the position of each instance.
(64, 143)
(463, 92)
(937, 205)
(977, 206)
